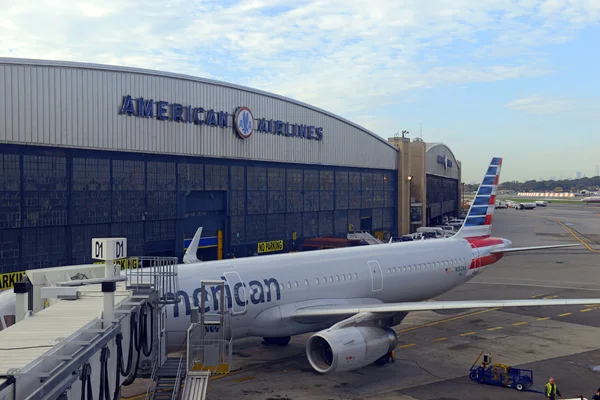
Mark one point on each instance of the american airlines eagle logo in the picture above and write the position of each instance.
(243, 122)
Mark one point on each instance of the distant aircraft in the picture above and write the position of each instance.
(351, 297)
(591, 199)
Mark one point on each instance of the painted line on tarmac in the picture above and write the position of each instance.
(532, 285)
(520, 323)
(495, 328)
(565, 314)
(576, 237)
(406, 345)
(447, 320)
(467, 333)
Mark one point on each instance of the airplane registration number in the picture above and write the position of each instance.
(461, 268)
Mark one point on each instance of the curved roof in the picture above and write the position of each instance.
(429, 146)
(114, 68)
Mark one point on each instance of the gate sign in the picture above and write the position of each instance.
(109, 249)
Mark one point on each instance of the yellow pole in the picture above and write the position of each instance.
(219, 245)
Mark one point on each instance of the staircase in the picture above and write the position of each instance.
(168, 379)
(196, 383)
(365, 236)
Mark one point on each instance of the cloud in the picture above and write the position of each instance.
(340, 55)
(539, 105)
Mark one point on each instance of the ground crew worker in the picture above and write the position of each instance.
(552, 390)
(597, 395)
(393, 356)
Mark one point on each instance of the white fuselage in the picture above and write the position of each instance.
(264, 291)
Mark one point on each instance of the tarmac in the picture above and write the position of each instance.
(437, 349)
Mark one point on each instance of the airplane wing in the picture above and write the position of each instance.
(516, 249)
(380, 310)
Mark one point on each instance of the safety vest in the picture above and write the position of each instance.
(550, 389)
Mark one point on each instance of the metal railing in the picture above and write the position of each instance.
(155, 274)
(177, 386)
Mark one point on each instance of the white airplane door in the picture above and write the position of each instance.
(376, 275)
(238, 292)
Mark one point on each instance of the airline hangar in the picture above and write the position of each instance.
(95, 151)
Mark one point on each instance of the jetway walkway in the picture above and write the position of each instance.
(102, 328)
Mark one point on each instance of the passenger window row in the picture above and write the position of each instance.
(429, 265)
(322, 281)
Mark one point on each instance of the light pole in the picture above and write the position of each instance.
(409, 178)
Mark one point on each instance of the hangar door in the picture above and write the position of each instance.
(206, 209)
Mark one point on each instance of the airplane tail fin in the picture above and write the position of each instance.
(190, 254)
(478, 222)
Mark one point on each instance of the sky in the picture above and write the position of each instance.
(507, 78)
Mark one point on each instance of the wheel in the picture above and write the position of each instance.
(383, 360)
(519, 387)
(473, 375)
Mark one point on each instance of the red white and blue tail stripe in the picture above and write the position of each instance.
(478, 222)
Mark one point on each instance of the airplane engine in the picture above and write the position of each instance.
(347, 349)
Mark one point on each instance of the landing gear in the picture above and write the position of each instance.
(279, 341)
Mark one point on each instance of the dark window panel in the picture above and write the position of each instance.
(275, 227)
(293, 223)
(295, 201)
(326, 200)
(341, 200)
(341, 222)
(378, 198)
(388, 218)
(257, 202)
(10, 191)
(341, 180)
(354, 200)
(325, 223)
(160, 230)
(91, 198)
(276, 179)
(310, 224)
(326, 180)
(10, 251)
(161, 205)
(367, 181)
(45, 247)
(128, 175)
(378, 182)
(190, 176)
(295, 179)
(81, 241)
(367, 199)
(161, 176)
(238, 230)
(216, 177)
(311, 180)
(237, 202)
(238, 178)
(311, 200)
(256, 228)
(277, 202)
(377, 219)
(45, 193)
(257, 178)
(354, 219)
(354, 182)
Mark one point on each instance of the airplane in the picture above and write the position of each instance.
(591, 199)
(350, 298)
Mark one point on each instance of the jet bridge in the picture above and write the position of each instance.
(103, 328)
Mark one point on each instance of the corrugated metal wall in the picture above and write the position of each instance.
(78, 106)
(432, 166)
